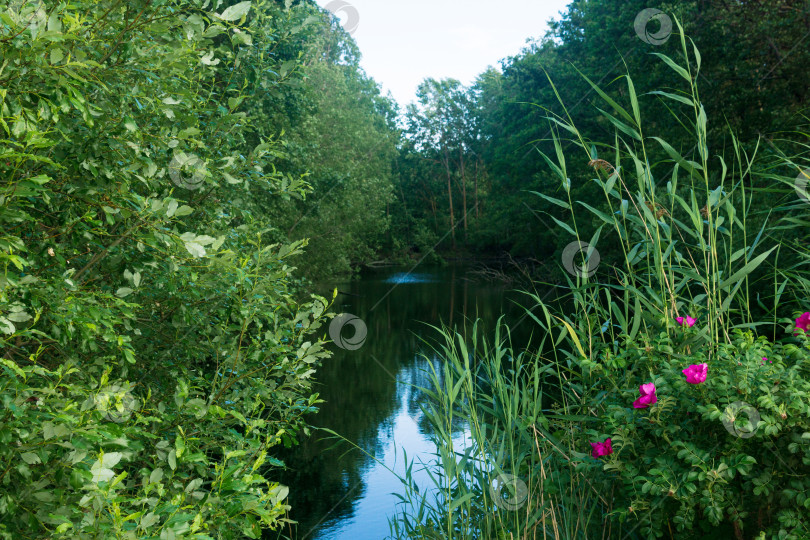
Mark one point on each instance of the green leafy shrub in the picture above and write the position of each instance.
(153, 349)
(735, 447)
(78, 471)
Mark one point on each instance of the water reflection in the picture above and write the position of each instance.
(337, 492)
(410, 277)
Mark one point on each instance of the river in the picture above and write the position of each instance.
(370, 398)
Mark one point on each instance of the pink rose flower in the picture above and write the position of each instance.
(696, 373)
(687, 321)
(803, 323)
(648, 396)
(602, 448)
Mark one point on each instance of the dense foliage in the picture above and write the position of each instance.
(752, 69)
(154, 347)
(341, 134)
(736, 446)
(661, 403)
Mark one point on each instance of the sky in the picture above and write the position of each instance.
(403, 42)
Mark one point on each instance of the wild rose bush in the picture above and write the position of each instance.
(719, 437)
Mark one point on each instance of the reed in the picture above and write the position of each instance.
(495, 397)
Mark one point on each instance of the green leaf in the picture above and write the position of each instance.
(235, 12)
(184, 210)
(6, 326)
(682, 99)
(30, 458)
(111, 459)
(461, 500)
(123, 292)
(209, 60)
(747, 269)
(148, 520)
(691, 166)
(634, 100)
(230, 179)
(195, 249)
(564, 226)
(19, 316)
(616, 107)
(671, 63)
(204, 240)
(552, 200)
(156, 476)
(604, 217)
(54, 24)
(624, 128)
(100, 473)
(557, 170)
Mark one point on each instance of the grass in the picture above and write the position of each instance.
(498, 397)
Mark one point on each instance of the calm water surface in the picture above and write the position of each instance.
(340, 493)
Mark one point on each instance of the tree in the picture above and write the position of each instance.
(443, 129)
(153, 349)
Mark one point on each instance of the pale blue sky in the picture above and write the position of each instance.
(405, 41)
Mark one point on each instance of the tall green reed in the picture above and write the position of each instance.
(502, 479)
(691, 240)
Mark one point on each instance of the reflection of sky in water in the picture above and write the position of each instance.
(369, 397)
(369, 520)
(405, 277)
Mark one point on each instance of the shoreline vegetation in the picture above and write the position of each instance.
(175, 176)
(715, 441)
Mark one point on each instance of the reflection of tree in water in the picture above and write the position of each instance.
(361, 392)
(325, 474)
(420, 375)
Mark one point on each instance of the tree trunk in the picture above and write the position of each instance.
(450, 197)
(463, 188)
(477, 172)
